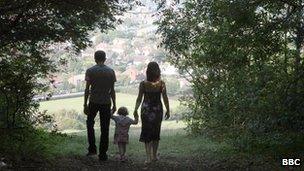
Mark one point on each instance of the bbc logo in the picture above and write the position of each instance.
(291, 162)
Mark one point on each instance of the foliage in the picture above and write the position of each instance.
(28, 32)
(123, 81)
(172, 85)
(56, 21)
(69, 119)
(27, 144)
(19, 83)
(245, 63)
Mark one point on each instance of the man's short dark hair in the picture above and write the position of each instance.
(100, 56)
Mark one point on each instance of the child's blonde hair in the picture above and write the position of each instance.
(123, 111)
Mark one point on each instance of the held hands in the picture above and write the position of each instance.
(167, 115)
(135, 114)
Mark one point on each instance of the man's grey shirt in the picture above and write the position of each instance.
(101, 78)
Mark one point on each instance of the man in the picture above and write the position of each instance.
(100, 81)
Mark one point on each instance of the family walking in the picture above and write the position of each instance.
(100, 97)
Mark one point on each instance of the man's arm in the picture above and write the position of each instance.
(113, 117)
(113, 97)
(113, 94)
(86, 96)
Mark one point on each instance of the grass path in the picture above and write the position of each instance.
(178, 151)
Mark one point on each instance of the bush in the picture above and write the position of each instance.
(172, 85)
(69, 119)
(245, 66)
(179, 112)
(27, 144)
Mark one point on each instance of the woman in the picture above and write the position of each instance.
(151, 109)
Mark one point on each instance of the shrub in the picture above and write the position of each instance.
(27, 144)
(69, 119)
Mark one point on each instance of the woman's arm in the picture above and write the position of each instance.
(166, 100)
(139, 98)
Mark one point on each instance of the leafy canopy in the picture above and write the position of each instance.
(245, 62)
(28, 31)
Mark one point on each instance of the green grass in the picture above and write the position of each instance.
(175, 144)
(127, 100)
(178, 151)
(176, 148)
(76, 143)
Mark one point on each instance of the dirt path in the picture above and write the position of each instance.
(83, 163)
(92, 163)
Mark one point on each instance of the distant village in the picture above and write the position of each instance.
(129, 49)
(131, 71)
(134, 70)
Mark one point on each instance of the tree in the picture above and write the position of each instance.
(245, 63)
(172, 85)
(28, 31)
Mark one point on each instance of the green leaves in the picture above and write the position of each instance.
(56, 21)
(28, 31)
(241, 58)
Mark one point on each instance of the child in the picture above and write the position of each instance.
(122, 125)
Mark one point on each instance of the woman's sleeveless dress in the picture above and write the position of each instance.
(151, 115)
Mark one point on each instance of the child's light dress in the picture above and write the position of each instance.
(122, 125)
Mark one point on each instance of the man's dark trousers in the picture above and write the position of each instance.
(104, 114)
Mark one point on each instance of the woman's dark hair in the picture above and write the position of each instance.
(123, 111)
(153, 72)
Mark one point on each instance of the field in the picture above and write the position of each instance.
(127, 100)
